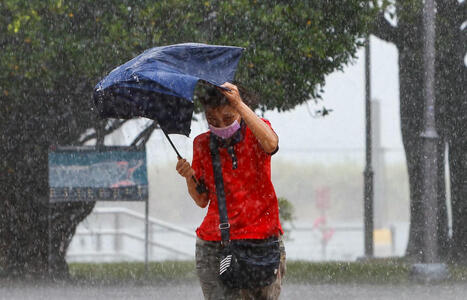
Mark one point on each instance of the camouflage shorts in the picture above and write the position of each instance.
(207, 268)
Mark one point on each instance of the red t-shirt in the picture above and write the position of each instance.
(252, 205)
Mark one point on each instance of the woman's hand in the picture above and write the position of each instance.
(232, 95)
(263, 133)
(184, 168)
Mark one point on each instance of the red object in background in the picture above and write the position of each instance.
(328, 234)
(323, 198)
(319, 221)
(323, 203)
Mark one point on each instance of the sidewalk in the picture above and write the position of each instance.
(191, 290)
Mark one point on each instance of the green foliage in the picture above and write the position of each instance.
(55, 51)
(286, 210)
(286, 214)
(290, 46)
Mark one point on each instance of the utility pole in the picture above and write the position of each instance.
(430, 138)
(368, 173)
(429, 269)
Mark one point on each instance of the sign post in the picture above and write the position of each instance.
(89, 173)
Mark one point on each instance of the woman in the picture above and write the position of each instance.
(246, 145)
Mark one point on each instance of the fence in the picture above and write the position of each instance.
(117, 234)
(125, 238)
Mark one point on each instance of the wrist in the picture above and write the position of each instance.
(190, 174)
(237, 104)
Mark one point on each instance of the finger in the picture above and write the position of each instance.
(186, 172)
(224, 92)
(179, 165)
(231, 86)
(186, 169)
(227, 85)
(224, 88)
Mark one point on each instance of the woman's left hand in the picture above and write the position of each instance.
(232, 95)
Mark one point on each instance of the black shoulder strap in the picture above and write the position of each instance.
(224, 225)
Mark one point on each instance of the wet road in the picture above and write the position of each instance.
(191, 290)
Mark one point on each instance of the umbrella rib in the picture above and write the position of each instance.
(144, 134)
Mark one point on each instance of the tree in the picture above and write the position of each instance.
(451, 92)
(55, 51)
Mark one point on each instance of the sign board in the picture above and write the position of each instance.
(87, 173)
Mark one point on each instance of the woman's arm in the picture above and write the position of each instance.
(185, 170)
(266, 136)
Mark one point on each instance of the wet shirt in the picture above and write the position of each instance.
(251, 201)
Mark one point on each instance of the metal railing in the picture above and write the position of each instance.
(122, 242)
(118, 233)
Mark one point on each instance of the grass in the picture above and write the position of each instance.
(383, 271)
(375, 271)
(102, 273)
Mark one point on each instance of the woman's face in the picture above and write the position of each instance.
(221, 116)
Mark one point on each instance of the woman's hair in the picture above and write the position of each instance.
(212, 98)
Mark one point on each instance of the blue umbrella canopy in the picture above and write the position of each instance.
(159, 83)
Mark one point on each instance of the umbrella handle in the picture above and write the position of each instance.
(200, 186)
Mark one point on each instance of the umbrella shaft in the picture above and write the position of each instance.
(178, 155)
(172, 144)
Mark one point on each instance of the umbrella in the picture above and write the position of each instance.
(159, 83)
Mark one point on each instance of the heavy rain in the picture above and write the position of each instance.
(233, 149)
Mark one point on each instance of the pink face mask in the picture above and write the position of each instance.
(225, 132)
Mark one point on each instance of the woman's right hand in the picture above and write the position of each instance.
(184, 168)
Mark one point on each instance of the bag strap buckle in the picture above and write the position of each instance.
(224, 226)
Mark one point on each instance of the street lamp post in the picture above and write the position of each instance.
(368, 173)
(429, 269)
(429, 137)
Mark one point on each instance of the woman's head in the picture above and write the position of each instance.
(217, 109)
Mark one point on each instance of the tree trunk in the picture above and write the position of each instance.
(451, 88)
(25, 238)
(458, 170)
(24, 243)
(412, 103)
(411, 113)
(451, 114)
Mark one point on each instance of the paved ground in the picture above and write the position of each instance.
(191, 290)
